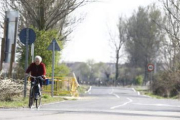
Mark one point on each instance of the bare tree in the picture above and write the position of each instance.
(117, 42)
(44, 14)
(171, 26)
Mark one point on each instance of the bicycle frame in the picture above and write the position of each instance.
(35, 91)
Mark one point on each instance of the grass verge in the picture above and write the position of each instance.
(146, 91)
(20, 102)
(82, 89)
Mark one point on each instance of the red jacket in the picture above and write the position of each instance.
(36, 70)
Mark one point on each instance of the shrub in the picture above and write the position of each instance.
(166, 84)
(9, 89)
(139, 80)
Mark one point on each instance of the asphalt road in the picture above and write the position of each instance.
(102, 103)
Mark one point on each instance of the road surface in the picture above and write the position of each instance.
(101, 103)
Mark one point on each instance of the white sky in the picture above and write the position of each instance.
(90, 38)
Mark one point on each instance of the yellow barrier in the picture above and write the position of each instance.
(63, 86)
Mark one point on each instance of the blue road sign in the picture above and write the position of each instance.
(57, 48)
(31, 36)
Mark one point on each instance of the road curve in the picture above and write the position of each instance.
(102, 103)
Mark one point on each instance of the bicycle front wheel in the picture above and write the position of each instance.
(31, 98)
(38, 102)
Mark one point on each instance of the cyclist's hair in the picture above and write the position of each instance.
(38, 57)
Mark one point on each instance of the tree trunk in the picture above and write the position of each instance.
(117, 66)
(41, 15)
(145, 71)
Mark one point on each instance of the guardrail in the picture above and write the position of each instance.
(63, 86)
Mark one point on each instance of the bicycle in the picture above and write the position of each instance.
(35, 95)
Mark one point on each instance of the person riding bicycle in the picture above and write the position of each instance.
(37, 68)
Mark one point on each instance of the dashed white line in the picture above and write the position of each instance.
(90, 88)
(133, 89)
(129, 101)
(116, 95)
(111, 93)
(140, 93)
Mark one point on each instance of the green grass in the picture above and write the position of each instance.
(14, 104)
(146, 91)
(82, 89)
(48, 99)
(19, 102)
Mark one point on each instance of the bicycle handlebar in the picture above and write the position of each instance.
(40, 77)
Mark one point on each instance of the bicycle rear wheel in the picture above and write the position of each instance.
(38, 102)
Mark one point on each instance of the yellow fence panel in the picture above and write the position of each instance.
(63, 86)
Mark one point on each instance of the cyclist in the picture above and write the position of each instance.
(37, 68)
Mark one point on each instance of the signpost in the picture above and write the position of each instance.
(32, 52)
(27, 36)
(150, 69)
(53, 47)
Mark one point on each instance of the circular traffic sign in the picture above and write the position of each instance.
(31, 36)
(150, 67)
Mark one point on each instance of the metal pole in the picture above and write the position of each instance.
(26, 62)
(53, 59)
(151, 73)
(155, 67)
(32, 52)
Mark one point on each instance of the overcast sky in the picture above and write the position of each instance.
(90, 39)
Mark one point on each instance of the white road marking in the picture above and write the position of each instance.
(53, 103)
(89, 90)
(116, 95)
(159, 105)
(111, 93)
(112, 90)
(140, 93)
(129, 101)
(133, 89)
(146, 96)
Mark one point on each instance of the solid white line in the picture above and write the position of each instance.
(146, 96)
(53, 103)
(129, 101)
(159, 105)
